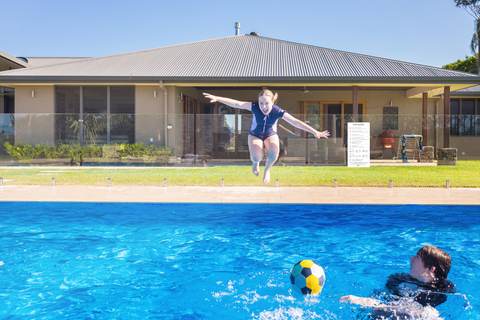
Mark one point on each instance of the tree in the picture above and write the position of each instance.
(473, 9)
(470, 64)
(466, 2)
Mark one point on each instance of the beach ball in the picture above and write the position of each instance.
(307, 277)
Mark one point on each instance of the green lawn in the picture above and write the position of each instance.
(465, 174)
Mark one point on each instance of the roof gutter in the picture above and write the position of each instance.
(165, 111)
(9, 78)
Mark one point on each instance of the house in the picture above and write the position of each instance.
(465, 121)
(155, 96)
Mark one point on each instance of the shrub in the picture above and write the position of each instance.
(126, 152)
(139, 151)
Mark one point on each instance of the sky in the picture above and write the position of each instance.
(427, 32)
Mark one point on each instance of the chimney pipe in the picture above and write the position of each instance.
(237, 28)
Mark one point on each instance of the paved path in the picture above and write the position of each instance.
(267, 195)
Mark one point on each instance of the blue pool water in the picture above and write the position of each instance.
(162, 261)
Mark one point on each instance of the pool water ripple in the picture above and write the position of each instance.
(192, 261)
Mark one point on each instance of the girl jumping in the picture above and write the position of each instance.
(263, 133)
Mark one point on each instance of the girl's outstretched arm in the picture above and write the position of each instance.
(302, 125)
(229, 102)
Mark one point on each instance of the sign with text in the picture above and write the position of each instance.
(358, 144)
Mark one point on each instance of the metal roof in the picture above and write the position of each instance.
(467, 92)
(474, 89)
(47, 61)
(7, 61)
(246, 57)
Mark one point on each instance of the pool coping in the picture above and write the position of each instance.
(237, 195)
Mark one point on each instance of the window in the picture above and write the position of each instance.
(67, 114)
(464, 117)
(94, 99)
(122, 114)
(122, 99)
(468, 117)
(454, 118)
(108, 114)
(477, 118)
(67, 100)
(331, 115)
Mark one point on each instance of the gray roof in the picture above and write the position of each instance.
(47, 61)
(244, 57)
(474, 89)
(467, 92)
(7, 61)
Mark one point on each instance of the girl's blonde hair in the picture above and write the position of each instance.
(268, 93)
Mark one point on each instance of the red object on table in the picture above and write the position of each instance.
(388, 139)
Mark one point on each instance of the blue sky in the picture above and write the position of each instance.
(429, 32)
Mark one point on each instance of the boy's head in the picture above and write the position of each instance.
(434, 257)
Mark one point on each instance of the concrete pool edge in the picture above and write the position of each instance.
(234, 195)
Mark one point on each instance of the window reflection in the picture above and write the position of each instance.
(226, 128)
(99, 125)
(454, 118)
(468, 118)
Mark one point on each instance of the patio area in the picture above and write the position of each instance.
(264, 195)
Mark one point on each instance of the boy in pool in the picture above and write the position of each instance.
(425, 287)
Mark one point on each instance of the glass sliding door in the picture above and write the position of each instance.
(95, 110)
(121, 122)
(216, 130)
(7, 118)
(189, 121)
(348, 117)
(205, 135)
(67, 114)
(468, 117)
(454, 117)
(314, 116)
(333, 118)
(477, 118)
(108, 114)
(348, 112)
(227, 125)
(242, 132)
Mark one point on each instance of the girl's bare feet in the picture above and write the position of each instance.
(266, 177)
(256, 168)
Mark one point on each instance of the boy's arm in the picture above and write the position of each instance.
(386, 310)
(365, 302)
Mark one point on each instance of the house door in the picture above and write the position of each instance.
(221, 131)
(348, 117)
(332, 120)
(189, 125)
(337, 115)
(314, 116)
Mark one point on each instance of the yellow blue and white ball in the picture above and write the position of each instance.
(307, 277)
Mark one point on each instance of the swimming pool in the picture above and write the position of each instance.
(194, 261)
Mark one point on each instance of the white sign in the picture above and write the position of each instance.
(358, 144)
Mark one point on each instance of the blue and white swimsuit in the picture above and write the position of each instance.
(264, 126)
